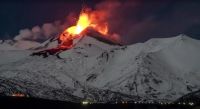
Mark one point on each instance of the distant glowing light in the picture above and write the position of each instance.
(18, 95)
(191, 103)
(85, 102)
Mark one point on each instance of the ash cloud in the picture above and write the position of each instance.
(47, 30)
(131, 20)
(38, 33)
(140, 20)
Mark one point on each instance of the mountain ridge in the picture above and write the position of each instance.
(156, 70)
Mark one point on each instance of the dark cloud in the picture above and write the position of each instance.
(137, 21)
(17, 15)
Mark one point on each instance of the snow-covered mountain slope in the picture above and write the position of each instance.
(17, 45)
(159, 70)
(193, 98)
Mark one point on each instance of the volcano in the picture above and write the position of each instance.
(159, 70)
(88, 23)
(88, 32)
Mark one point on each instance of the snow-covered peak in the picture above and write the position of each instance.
(156, 44)
(7, 45)
(183, 37)
(7, 42)
(87, 40)
(48, 44)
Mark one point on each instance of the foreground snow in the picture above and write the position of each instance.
(157, 70)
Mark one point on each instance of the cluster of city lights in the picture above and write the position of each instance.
(18, 95)
(159, 103)
(184, 103)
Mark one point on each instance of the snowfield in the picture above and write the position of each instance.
(161, 69)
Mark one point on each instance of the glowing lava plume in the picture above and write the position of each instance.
(82, 23)
(86, 19)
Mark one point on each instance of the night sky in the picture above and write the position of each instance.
(134, 20)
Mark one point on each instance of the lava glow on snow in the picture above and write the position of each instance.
(87, 19)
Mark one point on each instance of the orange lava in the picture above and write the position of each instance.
(86, 19)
